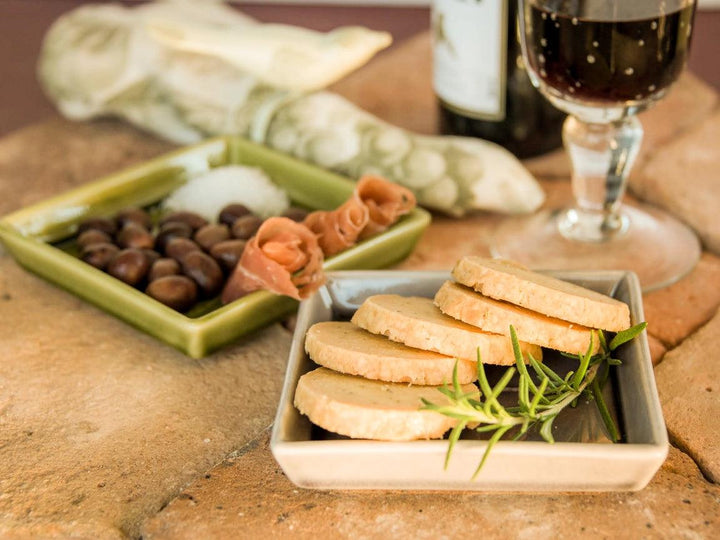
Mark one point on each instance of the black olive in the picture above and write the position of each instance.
(101, 224)
(178, 248)
(163, 267)
(204, 271)
(99, 254)
(93, 236)
(189, 218)
(170, 230)
(228, 253)
(295, 213)
(133, 235)
(177, 292)
(231, 212)
(133, 215)
(209, 235)
(152, 255)
(246, 226)
(129, 265)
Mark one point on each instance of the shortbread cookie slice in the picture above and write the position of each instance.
(417, 323)
(508, 281)
(364, 409)
(346, 348)
(492, 315)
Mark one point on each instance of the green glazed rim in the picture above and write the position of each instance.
(35, 237)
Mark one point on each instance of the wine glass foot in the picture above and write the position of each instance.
(658, 248)
(585, 226)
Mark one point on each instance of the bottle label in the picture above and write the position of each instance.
(469, 56)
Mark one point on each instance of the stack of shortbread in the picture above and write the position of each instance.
(362, 390)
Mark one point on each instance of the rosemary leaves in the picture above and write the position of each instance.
(541, 398)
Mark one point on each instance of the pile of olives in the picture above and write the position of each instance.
(178, 261)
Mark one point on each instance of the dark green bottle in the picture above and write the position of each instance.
(479, 78)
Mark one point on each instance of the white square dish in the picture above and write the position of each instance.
(581, 459)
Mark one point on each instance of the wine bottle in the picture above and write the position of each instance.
(480, 80)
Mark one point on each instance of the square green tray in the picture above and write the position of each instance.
(34, 235)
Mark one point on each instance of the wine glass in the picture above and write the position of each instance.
(602, 62)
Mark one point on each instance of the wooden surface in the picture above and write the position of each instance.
(106, 433)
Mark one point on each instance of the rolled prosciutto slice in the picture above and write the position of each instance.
(385, 201)
(283, 257)
(339, 229)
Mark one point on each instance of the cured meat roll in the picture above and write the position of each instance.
(339, 229)
(283, 257)
(385, 201)
(375, 204)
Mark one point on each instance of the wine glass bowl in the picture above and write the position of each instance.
(602, 62)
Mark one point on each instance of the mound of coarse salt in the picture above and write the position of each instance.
(207, 193)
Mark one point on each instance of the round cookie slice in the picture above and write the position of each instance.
(492, 315)
(508, 281)
(418, 323)
(364, 409)
(344, 347)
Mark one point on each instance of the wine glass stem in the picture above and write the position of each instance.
(602, 155)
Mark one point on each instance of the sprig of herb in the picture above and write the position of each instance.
(540, 399)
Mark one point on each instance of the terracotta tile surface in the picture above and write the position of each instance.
(688, 383)
(42, 160)
(555, 165)
(403, 97)
(102, 429)
(248, 495)
(657, 349)
(683, 179)
(448, 239)
(101, 425)
(441, 243)
(687, 105)
(678, 310)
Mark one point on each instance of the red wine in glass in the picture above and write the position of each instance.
(614, 61)
(602, 62)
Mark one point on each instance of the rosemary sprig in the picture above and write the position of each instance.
(540, 400)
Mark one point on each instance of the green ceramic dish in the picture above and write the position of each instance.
(36, 236)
